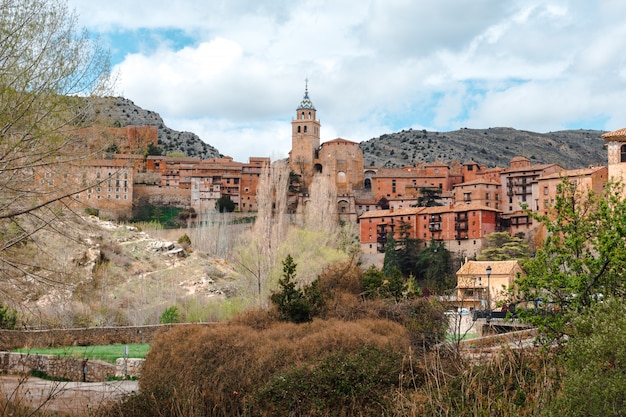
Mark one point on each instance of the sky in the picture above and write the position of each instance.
(234, 71)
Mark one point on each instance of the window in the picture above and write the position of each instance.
(545, 190)
(622, 154)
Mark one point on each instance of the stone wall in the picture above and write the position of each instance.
(14, 339)
(162, 196)
(59, 366)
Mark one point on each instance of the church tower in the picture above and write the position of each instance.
(616, 146)
(305, 137)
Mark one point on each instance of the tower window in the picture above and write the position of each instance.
(298, 129)
(304, 129)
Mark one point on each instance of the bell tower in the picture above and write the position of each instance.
(305, 136)
(616, 146)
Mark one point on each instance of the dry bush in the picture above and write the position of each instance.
(341, 277)
(224, 369)
(511, 382)
(258, 318)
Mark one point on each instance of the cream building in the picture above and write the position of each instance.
(484, 284)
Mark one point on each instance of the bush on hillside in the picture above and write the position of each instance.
(234, 369)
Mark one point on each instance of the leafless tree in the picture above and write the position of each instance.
(257, 255)
(47, 66)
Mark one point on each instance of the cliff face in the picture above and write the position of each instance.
(493, 147)
(121, 112)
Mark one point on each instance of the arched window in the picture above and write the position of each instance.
(304, 129)
(368, 184)
(341, 177)
(298, 129)
(309, 115)
(302, 116)
(622, 156)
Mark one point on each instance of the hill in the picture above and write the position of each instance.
(493, 147)
(120, 112)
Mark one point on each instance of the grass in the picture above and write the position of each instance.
(107, 353)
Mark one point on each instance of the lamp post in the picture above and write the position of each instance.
(489, 287)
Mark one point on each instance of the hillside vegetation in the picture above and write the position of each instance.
(493, 147)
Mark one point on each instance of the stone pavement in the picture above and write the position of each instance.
(73, 398)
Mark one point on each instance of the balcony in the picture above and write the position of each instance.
(461, 236)
(460, 226)
(435, 218)
(461, 217)
(434, 227)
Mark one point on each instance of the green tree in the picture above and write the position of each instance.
(434, 266)
(593, 381)
(500, 246)
(373, 280)
(224, 204)
(295, 304)
(407, 249)
(429, 197)
(47, 66)
(391, 256)
(153, 150)
(583, 257)
(8, 318)
(170, 315)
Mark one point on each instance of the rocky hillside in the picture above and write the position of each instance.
(120, 112)
(493, 147)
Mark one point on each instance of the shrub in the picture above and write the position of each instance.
(184, 241)
(170, 315)
(295, 304)
(232, 369)
(8, 318)
(342, 382)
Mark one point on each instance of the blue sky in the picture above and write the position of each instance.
(233, 71)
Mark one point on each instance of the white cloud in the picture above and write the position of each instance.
(233, 72)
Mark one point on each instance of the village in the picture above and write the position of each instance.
(457, 204)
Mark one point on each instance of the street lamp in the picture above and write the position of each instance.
(489, 287)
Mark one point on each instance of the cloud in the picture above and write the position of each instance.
(233, 72)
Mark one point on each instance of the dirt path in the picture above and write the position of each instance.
(73, 398)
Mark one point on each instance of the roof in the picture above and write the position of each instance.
(539, 167)
(479, 268)
(616, 135)
(339, 141)
(582, 172)
(478, 181)
(306, 103)
(395, 212)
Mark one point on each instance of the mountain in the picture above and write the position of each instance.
(120, 112)
(493, 147)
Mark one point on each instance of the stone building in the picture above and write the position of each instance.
(616, 146)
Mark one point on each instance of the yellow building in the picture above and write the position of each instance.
(484, 285)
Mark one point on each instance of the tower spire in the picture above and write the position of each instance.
(306, 102)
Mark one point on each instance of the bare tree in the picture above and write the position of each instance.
(256, 257)
(47, 66)
(321, 210)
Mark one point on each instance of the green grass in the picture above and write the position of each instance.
(108, 353)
